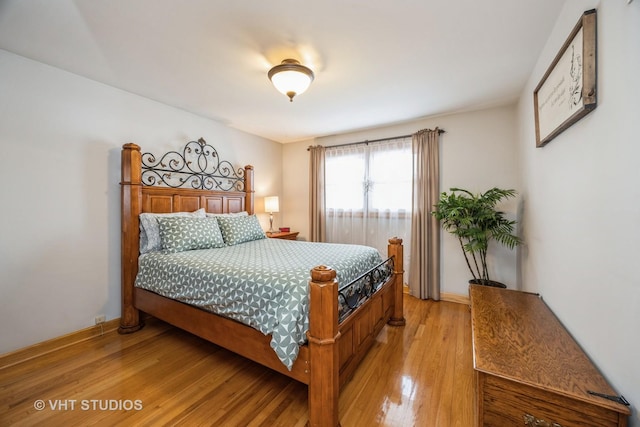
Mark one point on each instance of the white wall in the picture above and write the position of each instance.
(294, 213)
(478, 151)
(61, 136)
(582, 200)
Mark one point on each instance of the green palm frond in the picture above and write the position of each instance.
(474, 220)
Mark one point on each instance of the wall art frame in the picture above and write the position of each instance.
(568, 90)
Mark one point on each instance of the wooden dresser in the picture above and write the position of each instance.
(529, 371)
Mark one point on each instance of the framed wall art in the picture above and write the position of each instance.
(568, 90)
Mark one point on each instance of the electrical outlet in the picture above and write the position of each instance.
(100, 319)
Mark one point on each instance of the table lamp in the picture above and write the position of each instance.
(271, 205)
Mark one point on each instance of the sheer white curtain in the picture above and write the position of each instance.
(344, 194)
(368, 194)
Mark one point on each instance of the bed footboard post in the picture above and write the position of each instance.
(324, 387)
(395, 250)
(131, 199)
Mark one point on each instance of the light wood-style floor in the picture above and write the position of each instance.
(417, 375)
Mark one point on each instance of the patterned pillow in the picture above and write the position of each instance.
(185, 234)
(150, 230)
(240, 229)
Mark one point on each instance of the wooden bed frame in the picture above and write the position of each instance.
(334, 349)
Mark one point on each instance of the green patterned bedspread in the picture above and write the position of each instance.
(263, 283)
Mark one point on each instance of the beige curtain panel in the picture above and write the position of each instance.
(317, 231)
(424, 271)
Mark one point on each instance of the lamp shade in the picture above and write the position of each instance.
(291, 78)
(271, 204)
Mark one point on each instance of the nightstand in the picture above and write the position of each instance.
(287, 235)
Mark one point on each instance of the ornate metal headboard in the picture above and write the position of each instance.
(198, 167)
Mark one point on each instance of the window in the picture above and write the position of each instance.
(368, 191)
(369, 178)
(345, 176)
(390, 176)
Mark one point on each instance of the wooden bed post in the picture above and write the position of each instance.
(324, 386)
(248, 188)
(395, 249)
(131, 199)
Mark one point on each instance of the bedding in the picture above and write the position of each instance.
(262, 283)
(240, 229)
(226, 215)
(150, 229)
(184, 234)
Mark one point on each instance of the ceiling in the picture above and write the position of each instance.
(376, 62)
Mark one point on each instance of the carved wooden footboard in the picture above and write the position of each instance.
(335, 346)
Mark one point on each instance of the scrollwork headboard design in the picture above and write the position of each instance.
(198, 167)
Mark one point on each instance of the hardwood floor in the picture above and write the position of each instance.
(417, 375)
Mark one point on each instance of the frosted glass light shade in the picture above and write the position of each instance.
(291, 78)
(271, 204)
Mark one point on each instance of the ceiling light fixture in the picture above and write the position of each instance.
(291, 78)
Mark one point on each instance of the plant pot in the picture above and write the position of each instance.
(483, 282)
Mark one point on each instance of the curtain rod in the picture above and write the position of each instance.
(370, 141)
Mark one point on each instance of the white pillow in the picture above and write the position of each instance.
(150, 229)
(227, 215)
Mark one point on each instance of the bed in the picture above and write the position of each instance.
(343, 318)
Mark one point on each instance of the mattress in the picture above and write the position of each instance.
(262, 283)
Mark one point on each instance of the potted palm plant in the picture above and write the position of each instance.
(474, 220)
